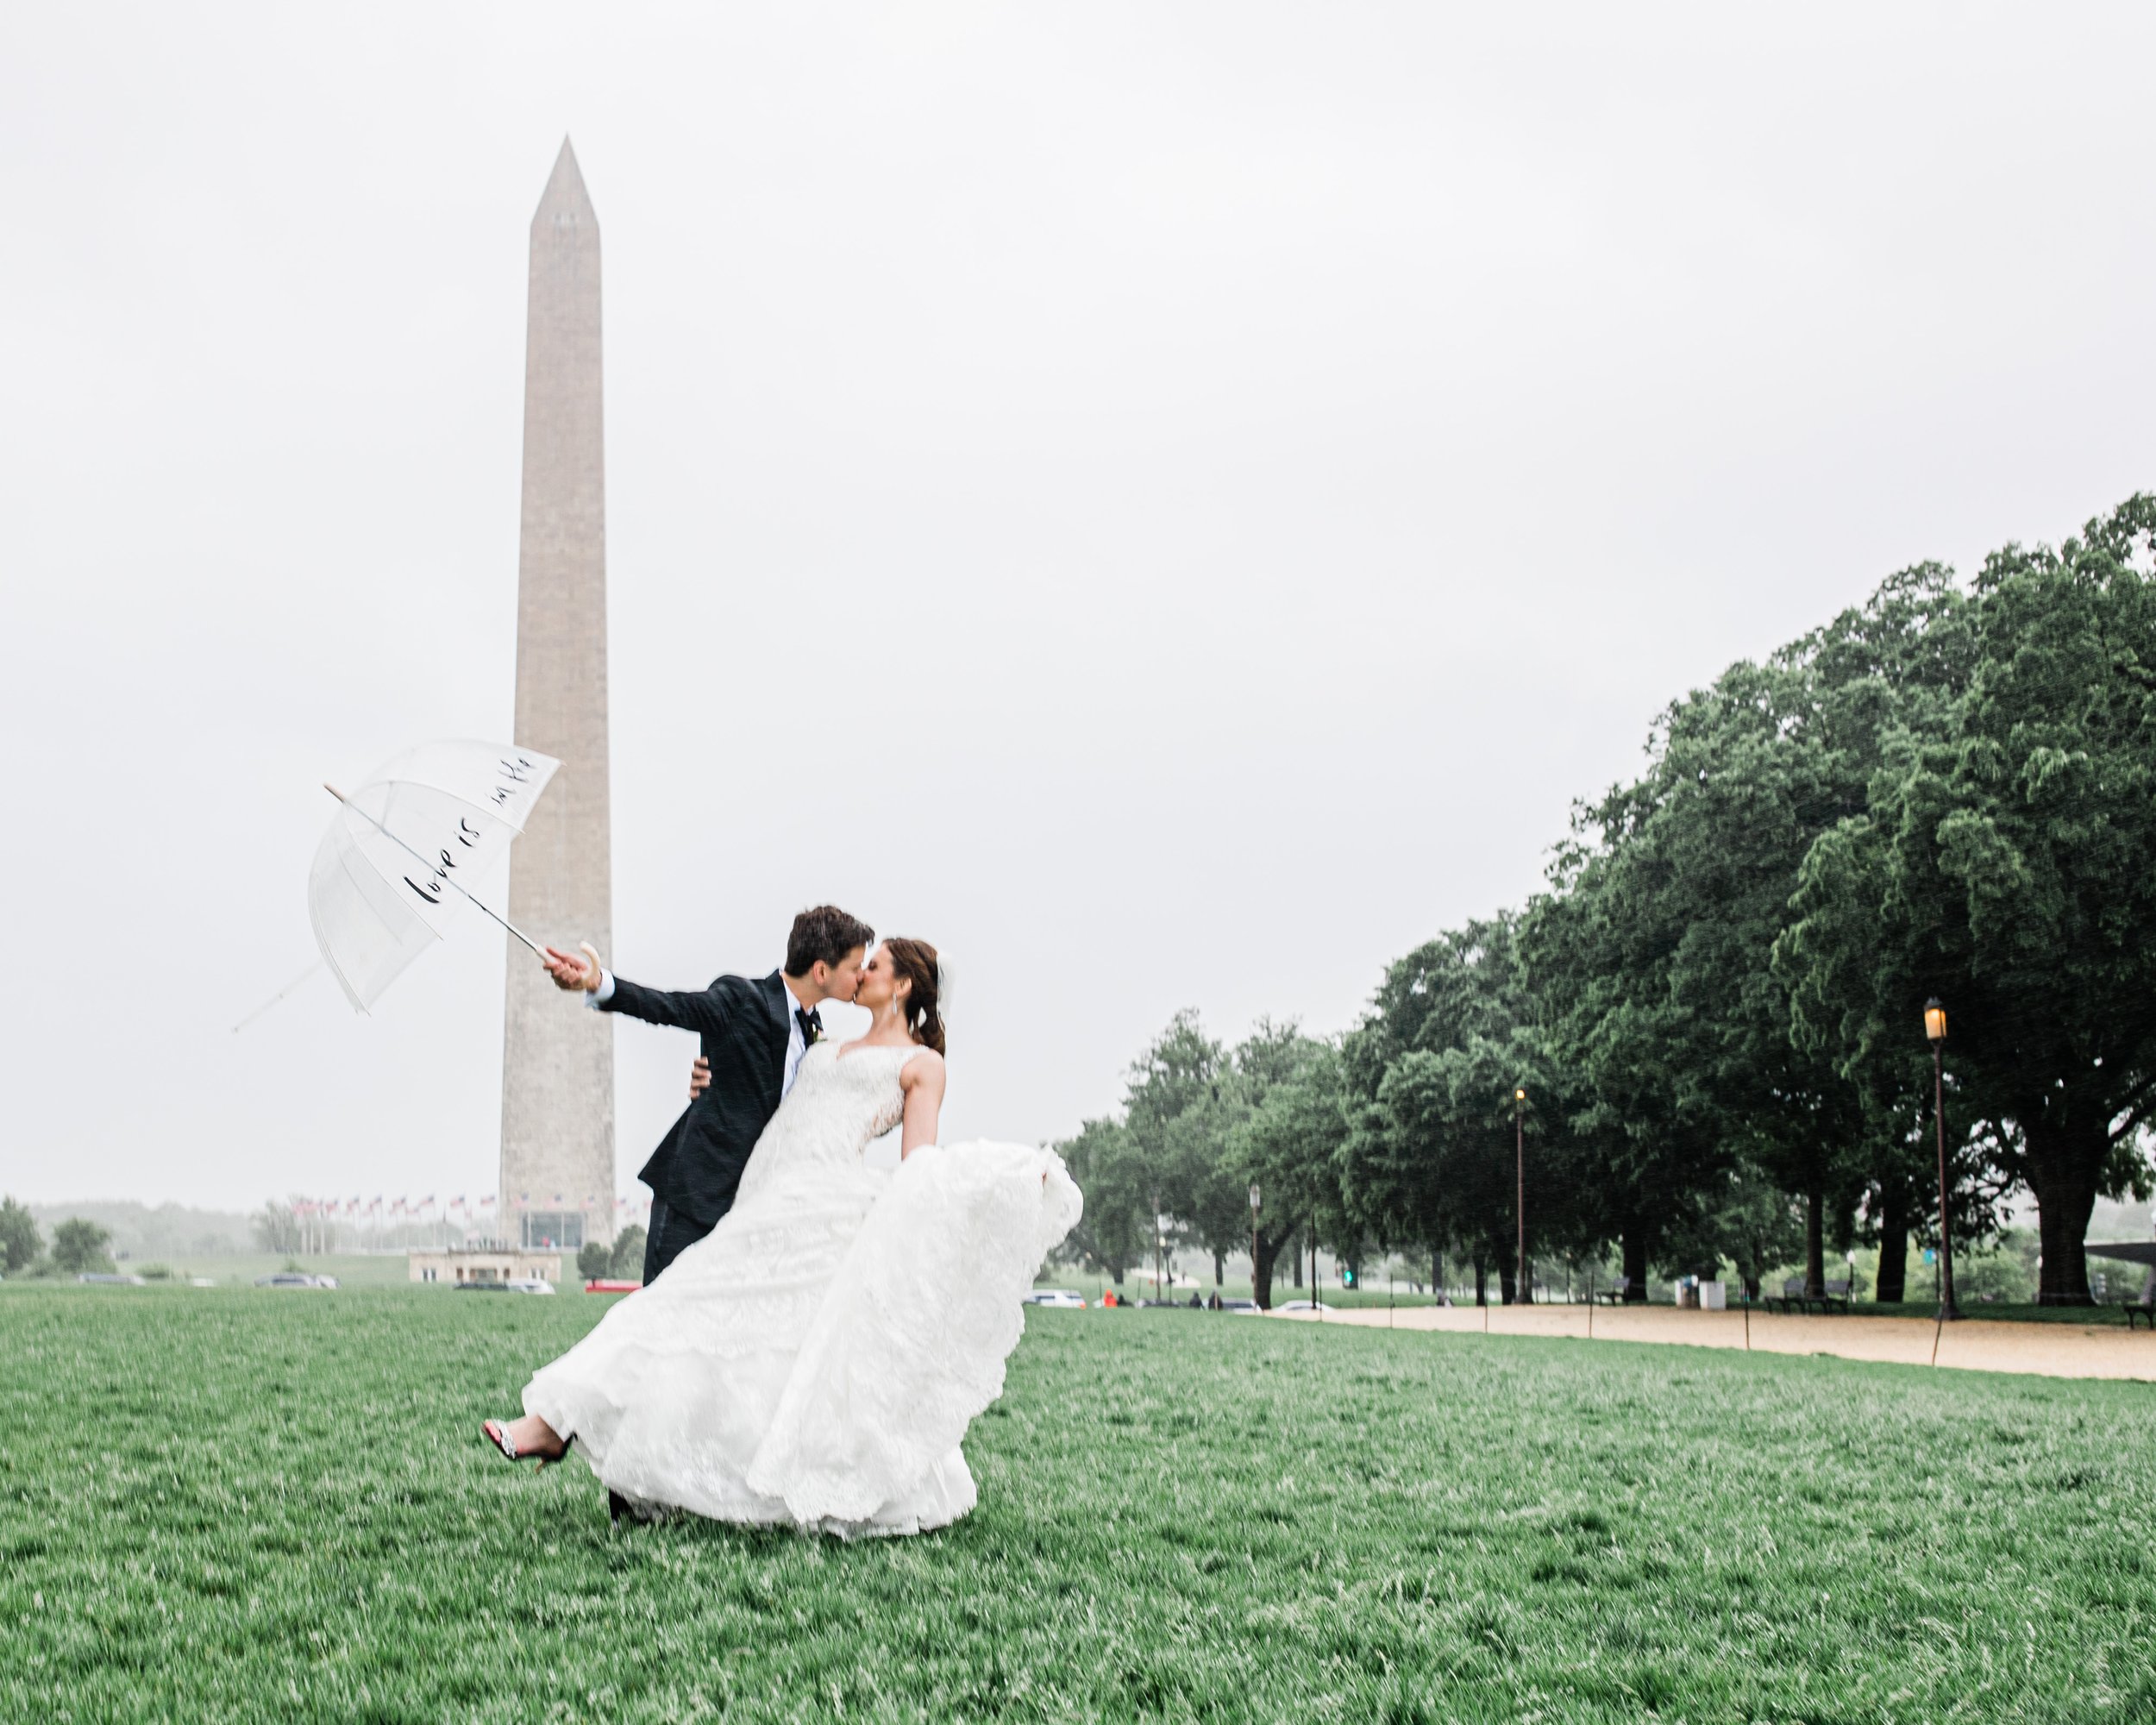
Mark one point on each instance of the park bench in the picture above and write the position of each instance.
(2146, 1306)
(1790, 1299)
(1837, 1294)
(1616, 1291)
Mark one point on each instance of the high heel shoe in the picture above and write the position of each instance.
(496, 1433)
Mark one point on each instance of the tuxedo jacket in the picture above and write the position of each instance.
(742, 1026)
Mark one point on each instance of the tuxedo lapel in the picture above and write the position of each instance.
(776, 1002)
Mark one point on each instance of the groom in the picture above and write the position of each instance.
(754, 1035)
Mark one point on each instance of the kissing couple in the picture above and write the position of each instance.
(813, 1336)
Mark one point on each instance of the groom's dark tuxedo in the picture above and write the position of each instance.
(743, 1026)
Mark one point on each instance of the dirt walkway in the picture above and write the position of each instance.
(2049, 1349)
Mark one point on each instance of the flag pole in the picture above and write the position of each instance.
(416, 856)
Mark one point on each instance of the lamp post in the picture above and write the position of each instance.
(1519, 1195)
(1935, 1029)
(1253, 1239)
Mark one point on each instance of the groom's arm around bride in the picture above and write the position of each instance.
(752, 1034)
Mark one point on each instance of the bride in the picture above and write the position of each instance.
(816, 1358)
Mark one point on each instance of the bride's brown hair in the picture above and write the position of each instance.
(915, 960)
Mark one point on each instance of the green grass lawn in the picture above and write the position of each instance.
(237, 1505)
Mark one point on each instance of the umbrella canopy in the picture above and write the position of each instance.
(398, 861)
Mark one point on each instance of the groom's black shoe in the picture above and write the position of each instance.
(618, 1508)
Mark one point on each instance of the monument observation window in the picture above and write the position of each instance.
(559, 1232)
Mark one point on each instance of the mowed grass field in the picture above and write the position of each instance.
(238, 1506)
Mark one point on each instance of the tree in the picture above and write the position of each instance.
(2000, 865)
(1117, 1228)
(1433, 1156)
(1286, 1142)
(1751, 1222)
(626, 1263)
(1178, 1108)
(595, 1260)
(276, 1228)
(79, 1247)
(20, 1244)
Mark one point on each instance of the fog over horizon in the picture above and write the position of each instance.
(1172, 504)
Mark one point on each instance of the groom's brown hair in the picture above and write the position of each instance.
(825, 934)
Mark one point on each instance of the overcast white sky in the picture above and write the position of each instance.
(1214, 483)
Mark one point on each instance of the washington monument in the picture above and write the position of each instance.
(557, 1061)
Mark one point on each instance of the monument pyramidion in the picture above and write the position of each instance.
(557, 1170)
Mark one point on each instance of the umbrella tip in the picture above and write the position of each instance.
(333, 790)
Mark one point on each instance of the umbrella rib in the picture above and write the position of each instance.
(416, 856)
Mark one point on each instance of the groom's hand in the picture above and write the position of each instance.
(571, 973)
(699, 1077)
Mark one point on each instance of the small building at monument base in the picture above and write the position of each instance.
(484, 1261)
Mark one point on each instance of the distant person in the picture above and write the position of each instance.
(786, 1369)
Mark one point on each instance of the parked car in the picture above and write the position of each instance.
(294, 1278)
(483, 1288)
(1244, 1308)
(530, 1284)
(1055, 1296)
(1305, 1306)
(106, 1276)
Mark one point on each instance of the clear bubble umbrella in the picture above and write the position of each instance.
(399, 862)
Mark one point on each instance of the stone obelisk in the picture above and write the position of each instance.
(557, 1056)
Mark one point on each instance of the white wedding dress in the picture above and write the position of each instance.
(816, 1358)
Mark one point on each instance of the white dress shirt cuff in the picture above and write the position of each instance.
(600, 995)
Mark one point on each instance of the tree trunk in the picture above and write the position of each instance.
(1482, 1284)
(1118, 1276)
(1894, 1241)
(1507, 1273)
(1437, 1274)
(1634, 1248)
(1220, 1268)
(1295, 1259)
(1266, 1264)
(2063, 1170)
(1815, 1243)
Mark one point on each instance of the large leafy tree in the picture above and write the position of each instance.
(1597, 953)
(2002, 865)
(1655, 959)
(1183, 1100)
(80, 1245)
(1431, 1155)
(1286, 1143)
(19, 1242)
(1117, 1229)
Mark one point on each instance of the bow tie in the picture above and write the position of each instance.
(811, 1026)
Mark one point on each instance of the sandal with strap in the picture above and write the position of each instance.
(496, 1433)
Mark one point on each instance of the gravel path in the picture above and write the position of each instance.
(1974, 1345)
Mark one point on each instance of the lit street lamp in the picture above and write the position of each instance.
(1936, 1028)
(1520, 1196)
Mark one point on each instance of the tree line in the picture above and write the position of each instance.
(1714, 1007)
(77, 1245)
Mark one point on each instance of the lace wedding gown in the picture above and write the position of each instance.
(816, 1358)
